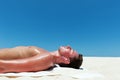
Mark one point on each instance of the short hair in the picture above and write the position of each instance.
(74, 63)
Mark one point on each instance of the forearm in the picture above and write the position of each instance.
(36, 63)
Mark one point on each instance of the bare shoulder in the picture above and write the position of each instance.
(31, 49)
(38, 48)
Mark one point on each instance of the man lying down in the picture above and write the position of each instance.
(31, 58)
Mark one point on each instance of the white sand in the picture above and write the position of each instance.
(108, 66)
(94, 68)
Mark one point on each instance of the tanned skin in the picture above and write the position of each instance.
(31, 58)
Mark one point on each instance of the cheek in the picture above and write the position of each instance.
(74, 54)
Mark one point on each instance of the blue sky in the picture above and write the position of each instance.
(92, 27)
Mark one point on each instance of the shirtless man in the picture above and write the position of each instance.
(31, 58)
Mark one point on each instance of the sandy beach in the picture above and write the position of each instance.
(93, 68)
(107, 66)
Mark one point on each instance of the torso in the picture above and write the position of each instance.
(19, 59)
(20, 52)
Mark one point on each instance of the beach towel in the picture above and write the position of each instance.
(80, 74)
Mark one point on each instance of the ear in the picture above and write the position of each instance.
(62, 59)
(65, 60)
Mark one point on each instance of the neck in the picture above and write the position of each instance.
(55, 55)
(57, 58)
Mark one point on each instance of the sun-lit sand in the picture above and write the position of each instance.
(107, 66)
(93, 68)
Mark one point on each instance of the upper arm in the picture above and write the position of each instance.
(7, 54)
(36, 63)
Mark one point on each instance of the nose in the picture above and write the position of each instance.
(68, 47)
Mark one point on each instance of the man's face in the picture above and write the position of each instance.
(67, 52)
(71, 58)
